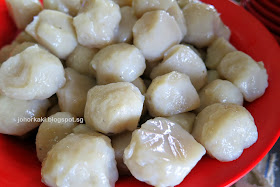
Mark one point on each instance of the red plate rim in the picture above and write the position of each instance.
(275, 18)
(270, 5)
(267, 22)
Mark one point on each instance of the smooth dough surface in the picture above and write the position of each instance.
(80, 59)
(32, 74)
(216, 52)
(141, 8)
(249, 76)
(162, 153)
(118, 63)
(219, 91)
(54, 30)
(185, 120)
(108, 107)
(125, 27)
(73, 95)
(225, 129)
(154, 33)
(183, 3)
(177, 13)
(183, 59)
(204, 24)
(171, 94)
(22, 11)
(70, 7)
(52, 131)
(97, 22)
(81, 160)
(17, 117)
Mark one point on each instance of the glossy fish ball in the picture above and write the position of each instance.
(171, 94)
(81, 160)
(225, 130)
(96, 23)
(17, 117)
(54, 30)
(216, 52)
(80, 59)
(51, 132)
(249, 76)
(70, 7)
(118, 63)
(177, 13)
(124, 34)
(204, 24)
(32, 74)
(73, 95)
(109, 107)
(183, 3)
(183, 59)
(219, 91)
(141, 8)
(22, 11)
(162, 153)
(154, 33)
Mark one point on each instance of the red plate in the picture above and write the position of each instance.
(271, 5)
(276, 2)
(275, 28)
(19, 165)
(265, 12)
